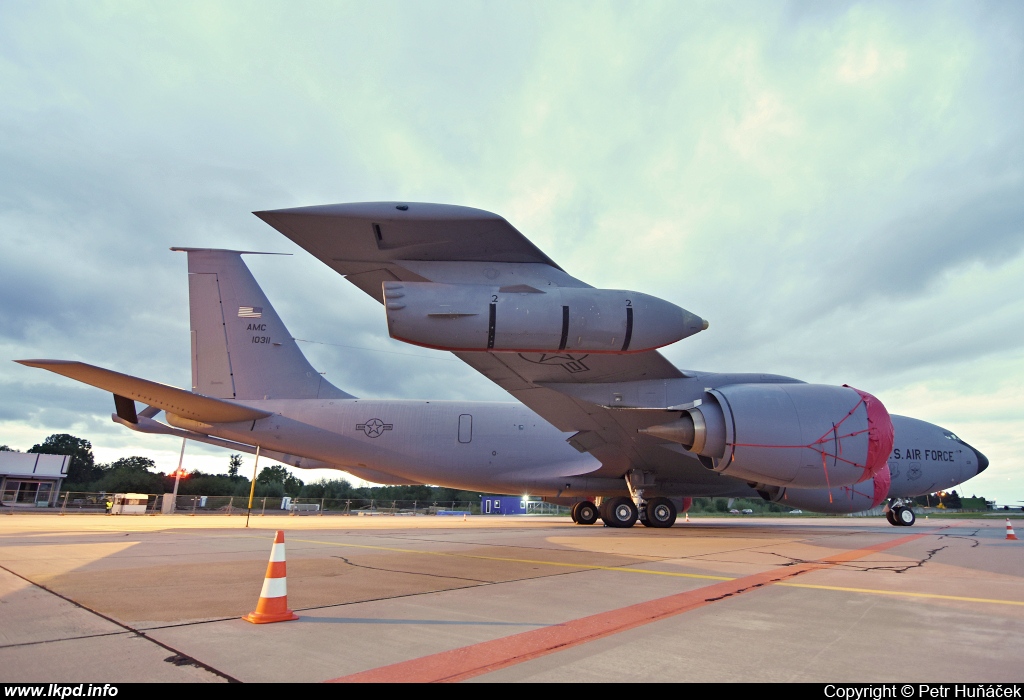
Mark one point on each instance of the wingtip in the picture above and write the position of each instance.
(44, 363)
(183, 249)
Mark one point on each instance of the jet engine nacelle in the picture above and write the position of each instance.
(801, 435)
(522, 318)
(839, 499)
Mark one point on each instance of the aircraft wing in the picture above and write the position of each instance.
(166, 398)
(374, 243)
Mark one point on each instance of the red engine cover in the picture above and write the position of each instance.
(880, 436)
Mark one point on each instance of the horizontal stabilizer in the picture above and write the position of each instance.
(166, 398)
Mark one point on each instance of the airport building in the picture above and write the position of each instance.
(28, 480)
(517, 505)
(524, 505)
(503, 505)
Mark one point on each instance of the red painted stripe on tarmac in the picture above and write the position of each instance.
(485, 657)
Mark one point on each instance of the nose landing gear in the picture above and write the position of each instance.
(900, 513)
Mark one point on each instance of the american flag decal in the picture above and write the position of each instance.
(250, 312)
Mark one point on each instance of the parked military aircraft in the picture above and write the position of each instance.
(605, 422)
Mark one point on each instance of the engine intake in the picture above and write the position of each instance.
(839, 499)
(801, 435)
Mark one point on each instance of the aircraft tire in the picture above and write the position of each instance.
(891, 517)
(572, 512)
(905, 516)
(586, 513)
(661, 512)
(619, 512)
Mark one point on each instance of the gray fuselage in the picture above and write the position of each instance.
(506, 448)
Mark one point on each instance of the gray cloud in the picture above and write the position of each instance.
(837, 187)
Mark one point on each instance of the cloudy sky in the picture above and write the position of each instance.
(837, 187)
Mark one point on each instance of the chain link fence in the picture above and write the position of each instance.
(72, 502)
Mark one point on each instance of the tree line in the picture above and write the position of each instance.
(139, 475)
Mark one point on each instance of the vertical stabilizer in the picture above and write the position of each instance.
(240, 347)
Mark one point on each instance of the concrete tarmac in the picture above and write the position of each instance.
(159, 598)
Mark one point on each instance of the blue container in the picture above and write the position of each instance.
(503, 505)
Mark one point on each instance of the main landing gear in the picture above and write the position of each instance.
(899, 512)
(660, 512)
(584, 513)
(625, 511)
(620, 511)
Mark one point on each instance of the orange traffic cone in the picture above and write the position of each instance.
(1009, 531)
(687, 517)
(273, 602)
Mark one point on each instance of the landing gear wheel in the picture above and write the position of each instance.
(891, 517)
(586, 513)
(572, 512)
(619, 512)
(905, 516)
(660, 512)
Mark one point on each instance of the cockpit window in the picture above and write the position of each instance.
(951, 436)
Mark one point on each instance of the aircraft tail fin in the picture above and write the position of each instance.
(240, 347)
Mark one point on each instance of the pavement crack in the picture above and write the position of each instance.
(853, 566)
(473, 584)
(809, 565)
(972, 538)
(127, 628)
(63, 639)
(904, 569)
(425, 593)
(414, 573)
(420, 540)
(740, 591)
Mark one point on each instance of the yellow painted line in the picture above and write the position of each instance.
(592, 567)
(875, 591)
(589, 567)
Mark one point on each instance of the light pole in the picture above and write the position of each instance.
(252, 487)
